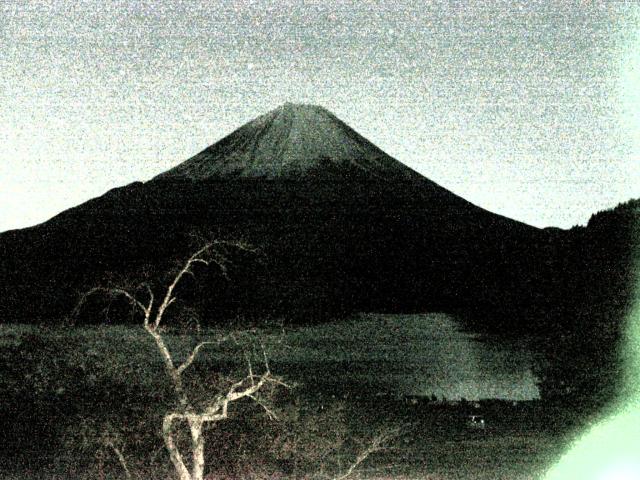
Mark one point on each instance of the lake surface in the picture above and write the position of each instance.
(410, 355)
(397, 355)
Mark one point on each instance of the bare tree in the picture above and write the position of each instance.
(216, 408)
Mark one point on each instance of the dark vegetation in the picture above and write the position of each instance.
(590, 295)
(107, 388)
(327, 247)
(341, 226)
(53, 383)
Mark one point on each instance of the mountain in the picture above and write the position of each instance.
(340, 227)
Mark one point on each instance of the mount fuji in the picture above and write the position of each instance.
(340, 226)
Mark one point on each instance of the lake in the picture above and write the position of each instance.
(410, 355)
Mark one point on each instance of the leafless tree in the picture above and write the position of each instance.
(187, 412)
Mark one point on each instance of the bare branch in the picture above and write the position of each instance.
(375, 445)
(270, 413)
(120, 456)
(174, 453)
(172, 371)
(200, 260)
(251, 376)
(147, 311)
(218, 409)
(147, 287)
(234, 393)
(194, 353)
(169, 298)
(110, 291)
(266, 360)
(278, 381)
(219, 259)
(133, 300)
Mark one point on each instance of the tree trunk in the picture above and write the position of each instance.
(197, 447)
(174, 453)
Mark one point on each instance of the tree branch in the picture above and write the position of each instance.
(112, 291)
(121, 459)
(170, 367)
(219, 408)
(174, 453)
(375, 445)
(192, 357)
(218, 259)
(168, 297)
(270, 413)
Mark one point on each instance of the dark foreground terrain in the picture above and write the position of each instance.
(71, 394)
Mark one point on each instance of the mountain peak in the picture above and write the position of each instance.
(291, 107)
(293, 140)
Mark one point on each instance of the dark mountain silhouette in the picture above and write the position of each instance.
(341, 227)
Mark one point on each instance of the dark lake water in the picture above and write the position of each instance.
(410, 355)
(397, 355)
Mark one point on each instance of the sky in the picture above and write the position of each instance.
(529, 109)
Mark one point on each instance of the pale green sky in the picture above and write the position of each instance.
(530, 109)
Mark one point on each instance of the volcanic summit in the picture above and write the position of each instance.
(293, 141)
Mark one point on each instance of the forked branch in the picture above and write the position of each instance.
(199, 257)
